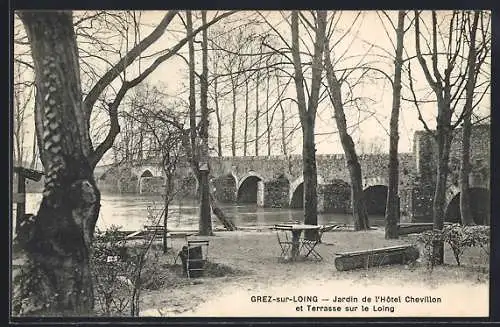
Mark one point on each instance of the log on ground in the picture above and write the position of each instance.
(376, 257)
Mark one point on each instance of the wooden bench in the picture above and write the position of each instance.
(399, 254)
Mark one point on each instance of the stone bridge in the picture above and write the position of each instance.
(277, 181)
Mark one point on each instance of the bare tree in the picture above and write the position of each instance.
(57, 240)
(205, 223)
(448, 87)
(357, 196)
(392, 205)
(307, 110)
(165, 140)
(476, 57)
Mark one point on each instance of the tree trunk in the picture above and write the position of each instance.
(34, 152)
(245, 137)
(192, 85)
(444, 139)
(310, 175)
(57, 240)
(357, 196)
(205, 226)
(257, 114)
(283, 134)
(168, 194)
(219, 121)
(268, 123)
(233, 122)
(307, 112)
(392, 206)
(465, 210)
(165, 218)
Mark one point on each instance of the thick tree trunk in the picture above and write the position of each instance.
(392, 206)
(310, 175)
(465, 209)
(205, 225)
(439, 202)
(307, 112)
(357, 196)
(57, 241)
(192, 85)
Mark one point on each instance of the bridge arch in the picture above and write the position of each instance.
(296, 193)
(479, 203)
(248, 187)
(376, 199)
(147, 173)
(372, 181)
(150, 180)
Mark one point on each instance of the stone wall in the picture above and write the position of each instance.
(334, 197)
(225, 188)
(276, 193)
(425, 149)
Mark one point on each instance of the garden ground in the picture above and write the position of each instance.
(243, 264)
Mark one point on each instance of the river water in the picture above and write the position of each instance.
(133, 211)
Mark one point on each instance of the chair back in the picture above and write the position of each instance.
(282, 236)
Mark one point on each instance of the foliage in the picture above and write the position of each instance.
(120, 271)
(458, 237)
(112, 272)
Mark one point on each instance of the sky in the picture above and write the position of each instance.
(367, 32)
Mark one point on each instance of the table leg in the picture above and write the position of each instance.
(295, 243)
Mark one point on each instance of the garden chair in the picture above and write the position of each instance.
(309, 246)
(285, 242)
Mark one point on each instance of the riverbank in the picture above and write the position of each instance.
(247, 265)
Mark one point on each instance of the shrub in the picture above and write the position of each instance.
(458, 237)
(112, 272)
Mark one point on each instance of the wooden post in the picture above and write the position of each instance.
(20, 199)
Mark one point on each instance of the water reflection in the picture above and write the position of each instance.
(132, 212)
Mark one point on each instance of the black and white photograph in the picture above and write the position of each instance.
(250, 163)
